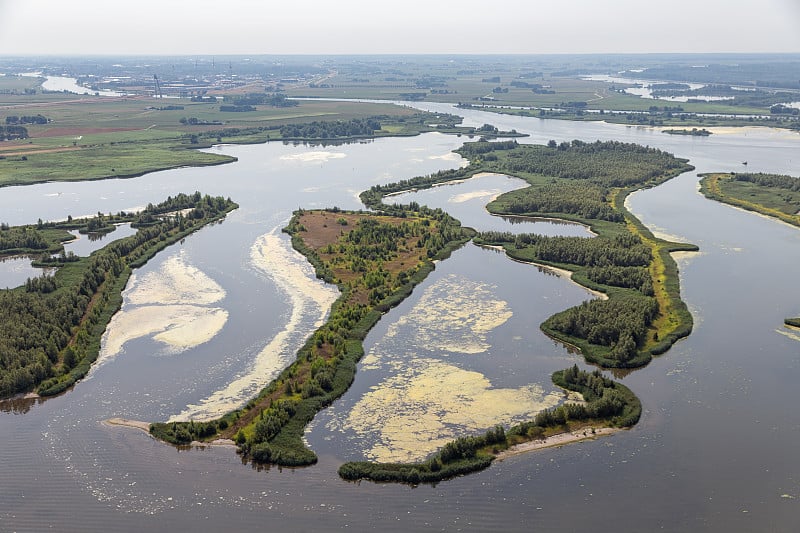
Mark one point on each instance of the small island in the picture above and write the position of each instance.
(608, 404)
(693, 132)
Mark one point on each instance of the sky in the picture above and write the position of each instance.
(180, 27)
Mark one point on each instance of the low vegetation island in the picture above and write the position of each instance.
(608, 404)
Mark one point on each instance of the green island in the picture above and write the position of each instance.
(694, 132)
(50, 328)
(375, 260)
(587, 183)
(773, 195)
(607, 404)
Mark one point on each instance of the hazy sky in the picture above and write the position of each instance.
(36, 27)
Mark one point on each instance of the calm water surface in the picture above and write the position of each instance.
(715, 450)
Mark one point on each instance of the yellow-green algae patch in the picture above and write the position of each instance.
(427, 400)
(412, 414)
(171, 305)
(453, 315)
(176, 281)
(309, 299)
(179, 327)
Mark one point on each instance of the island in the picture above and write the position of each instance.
(375, 259)
(693, 132)
(607, 405)
(774, 195)
(52, 325)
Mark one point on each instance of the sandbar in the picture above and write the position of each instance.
(559, 439)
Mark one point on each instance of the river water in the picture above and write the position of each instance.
(207, 320)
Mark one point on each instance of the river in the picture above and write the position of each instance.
(715, 449)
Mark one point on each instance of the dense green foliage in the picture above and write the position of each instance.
(603, 163)
(22, 238)
(619, 324)
(774, 195)
(776, 181)
(333, 129)
(50, 328)
(607, 402)
(9, 132)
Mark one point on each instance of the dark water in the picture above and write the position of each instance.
(715, 450)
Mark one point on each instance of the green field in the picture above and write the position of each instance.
(95, 137)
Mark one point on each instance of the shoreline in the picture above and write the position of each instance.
(560, 272)
(554, 441)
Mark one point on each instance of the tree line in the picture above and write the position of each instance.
(357, 127)
(26, 119)
(9, 133)
(777, 181)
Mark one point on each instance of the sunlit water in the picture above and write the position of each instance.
(715, 449)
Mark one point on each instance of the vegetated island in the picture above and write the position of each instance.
(375, 260)
(51, 327)
(581, 182)
(772, 195)
(694, 132)
(608, 404)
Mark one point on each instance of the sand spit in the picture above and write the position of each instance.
(559, 439)
(145, 426)
(125, 422)
(792, 333)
